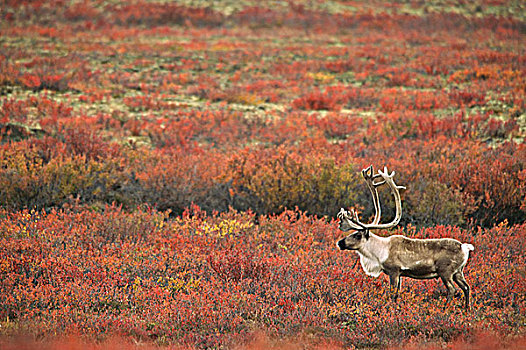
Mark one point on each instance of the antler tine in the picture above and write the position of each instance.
(377, 184)
(342, 213)
(388, 178)
(369, 180)
(354, 221)
(386, 174)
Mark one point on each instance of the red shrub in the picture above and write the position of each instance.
(146, 277)
(233, 265)
(110, 109)
(270, 181)
(316, 100)
(163, 14)
(468, 99)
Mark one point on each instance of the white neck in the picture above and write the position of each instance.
(373, 254)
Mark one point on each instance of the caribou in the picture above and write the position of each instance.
(397, 255)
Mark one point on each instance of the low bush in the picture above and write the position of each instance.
(155, 279)
(270, 181)
(30, 178)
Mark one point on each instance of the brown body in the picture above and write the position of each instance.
(400, 256)
(424, 258)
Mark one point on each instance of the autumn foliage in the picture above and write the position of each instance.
(170, 172)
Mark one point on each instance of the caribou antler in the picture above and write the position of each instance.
(352, 217)
(369, 179)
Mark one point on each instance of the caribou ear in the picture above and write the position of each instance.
(366, 233)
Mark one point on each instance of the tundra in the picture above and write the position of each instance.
(400, 256)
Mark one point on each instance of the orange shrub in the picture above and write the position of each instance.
(176, 281)
(271, 180)
(113, 110)
(316, 100)
(29, 179)
(174, 180)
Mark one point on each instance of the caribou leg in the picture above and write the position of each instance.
(394, 281)
(461, 282)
